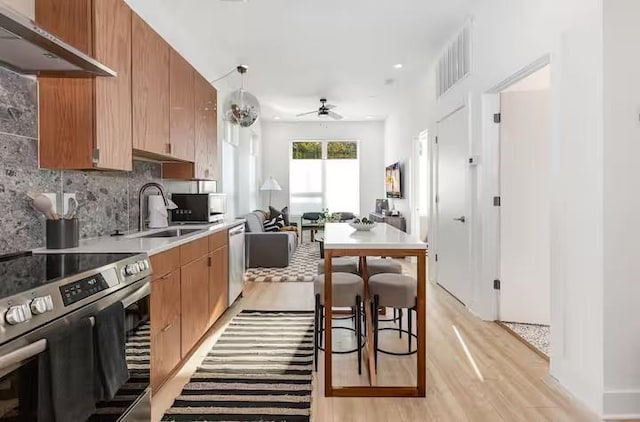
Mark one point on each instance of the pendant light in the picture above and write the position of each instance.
(241, 107)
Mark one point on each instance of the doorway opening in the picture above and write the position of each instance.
(525, 232)
(421, 186)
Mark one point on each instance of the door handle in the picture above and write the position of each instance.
(460, 219)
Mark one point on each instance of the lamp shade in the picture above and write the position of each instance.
(270, 184)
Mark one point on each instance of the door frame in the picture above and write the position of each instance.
(418, 150)
(491, 255)
(470, 214)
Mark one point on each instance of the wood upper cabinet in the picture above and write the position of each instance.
(195, 302)
(182, 108)
(86, 123)
(206, 136)
(150, 90)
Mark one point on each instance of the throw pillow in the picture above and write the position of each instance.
(274, 224)
(273, 213)
(285, 214)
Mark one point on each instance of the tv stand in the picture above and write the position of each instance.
(396, 221)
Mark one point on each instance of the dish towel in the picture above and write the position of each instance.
(66, 375)
(111, 359)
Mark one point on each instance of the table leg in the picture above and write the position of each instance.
(370, 355)
(421, 323)
(328, 344)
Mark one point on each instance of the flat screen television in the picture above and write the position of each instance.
(393, 181)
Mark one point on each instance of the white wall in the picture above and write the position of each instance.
(507, 36)
(278, 135)
(622, 208)
(25, 7)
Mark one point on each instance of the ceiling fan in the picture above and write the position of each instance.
(325, 110)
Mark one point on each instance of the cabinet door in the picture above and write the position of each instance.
(150, 89)
(195, 302)
(113, 95)
(165, 327)
(202, 127)
(218, 287)
(212, 128)
(182, 116)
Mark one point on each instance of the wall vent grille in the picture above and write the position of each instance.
(455, 62)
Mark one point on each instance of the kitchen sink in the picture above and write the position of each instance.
(170, 233)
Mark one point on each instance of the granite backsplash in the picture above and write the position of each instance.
(108, 200)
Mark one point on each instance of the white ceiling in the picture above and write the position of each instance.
(301, 50)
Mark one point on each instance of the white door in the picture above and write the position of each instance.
(454, 273)
(525, 294)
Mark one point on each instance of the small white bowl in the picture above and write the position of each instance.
(363, 227)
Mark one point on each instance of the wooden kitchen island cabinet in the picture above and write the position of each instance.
(188, 295)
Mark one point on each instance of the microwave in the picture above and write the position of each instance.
(198, 207)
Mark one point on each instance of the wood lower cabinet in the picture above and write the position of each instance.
(165, 326)
(150, 90)
(188, 295)
(86, 123)
(218, 283)
(194, 298)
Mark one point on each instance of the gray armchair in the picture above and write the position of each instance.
(267, 249)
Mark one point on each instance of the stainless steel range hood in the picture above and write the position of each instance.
(27, 48)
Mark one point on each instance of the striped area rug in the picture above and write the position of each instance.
(259, 370)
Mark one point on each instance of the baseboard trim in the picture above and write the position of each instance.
(621, 404)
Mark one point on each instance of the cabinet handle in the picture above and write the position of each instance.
(210, 261)
(168, 148)
(166, 328)
(166, 276)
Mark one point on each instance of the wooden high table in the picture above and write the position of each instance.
(340, 239)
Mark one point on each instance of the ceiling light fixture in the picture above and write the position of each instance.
(369, 117)
(397, 66)
(276, 117)
(240, 107)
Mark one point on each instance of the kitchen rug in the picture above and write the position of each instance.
(303, 267)
(259, 370)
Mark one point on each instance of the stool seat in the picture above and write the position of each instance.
(345, 288)
(381, 265)
(340, 265)
(394, 290)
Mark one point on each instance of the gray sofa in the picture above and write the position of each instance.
(267, 249)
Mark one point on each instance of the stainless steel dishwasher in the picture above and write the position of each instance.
(236, 262)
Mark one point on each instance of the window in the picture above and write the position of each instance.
(324, 174)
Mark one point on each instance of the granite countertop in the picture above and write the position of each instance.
(133, 243)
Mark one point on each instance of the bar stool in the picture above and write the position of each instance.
(396, 291)
(347, 291)
(383, 265)
(340, 265)
(386, 266)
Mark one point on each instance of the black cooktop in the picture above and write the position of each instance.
(21, 273)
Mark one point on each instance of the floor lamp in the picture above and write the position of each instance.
(270, 185)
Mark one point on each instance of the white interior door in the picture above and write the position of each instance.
(524, 214)
(454, 273)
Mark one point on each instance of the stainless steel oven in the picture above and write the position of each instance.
(91, 292)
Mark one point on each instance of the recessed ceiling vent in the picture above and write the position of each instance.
(455, 62)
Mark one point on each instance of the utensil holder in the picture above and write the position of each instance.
(63, 233)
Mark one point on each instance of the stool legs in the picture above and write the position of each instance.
(317, 331)
(375, 306)
(358, 322)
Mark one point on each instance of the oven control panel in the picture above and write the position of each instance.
(81, 289)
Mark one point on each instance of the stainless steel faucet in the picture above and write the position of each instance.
(143, 189)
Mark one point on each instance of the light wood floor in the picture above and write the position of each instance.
(476, 371)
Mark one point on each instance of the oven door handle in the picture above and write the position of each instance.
(16, 357)
(142, 292)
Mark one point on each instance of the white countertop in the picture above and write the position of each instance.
(383, 236)
(131, 243)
